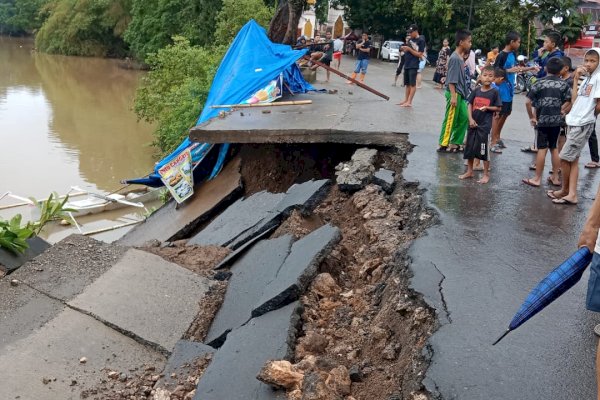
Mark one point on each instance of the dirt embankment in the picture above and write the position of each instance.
(363, 329)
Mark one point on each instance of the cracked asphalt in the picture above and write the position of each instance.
(493, 244)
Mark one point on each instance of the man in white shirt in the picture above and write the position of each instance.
(338, 46)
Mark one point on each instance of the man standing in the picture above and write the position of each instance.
(456, 120)
(413, 52)
(338, 46)
(364, 54)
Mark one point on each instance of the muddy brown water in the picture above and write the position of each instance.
(67, 121)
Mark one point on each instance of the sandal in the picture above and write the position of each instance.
(592, 165)
(528, 149)
(442, 149)
(551, 183)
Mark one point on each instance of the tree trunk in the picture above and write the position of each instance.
(284, 24)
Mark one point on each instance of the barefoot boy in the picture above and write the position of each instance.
(484, 101)
(546, 102)
(456, 120)
(580, 124)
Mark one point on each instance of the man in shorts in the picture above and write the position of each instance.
(413, 52)
(581, 121)
(325, 56)
(338, 46)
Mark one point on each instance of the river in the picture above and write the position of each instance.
(67, 121)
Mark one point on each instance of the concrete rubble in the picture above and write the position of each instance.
(355, 174)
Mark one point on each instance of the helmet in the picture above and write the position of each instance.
(477, 52)
(521, 58)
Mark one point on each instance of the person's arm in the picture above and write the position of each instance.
(472, 122)
(531, 112)
(589, 234)
(574, 91)
(597, 108)
(453, 94)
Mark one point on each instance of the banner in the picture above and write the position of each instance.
(268, 94)
(178, 177)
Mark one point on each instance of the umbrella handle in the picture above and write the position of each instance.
(501, 337)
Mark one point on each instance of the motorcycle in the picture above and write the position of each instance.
(525, 80)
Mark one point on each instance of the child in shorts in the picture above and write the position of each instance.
(506, 91)
(546, 102)
(580, 124)
(484, 101)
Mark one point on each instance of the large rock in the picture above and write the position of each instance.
(68, 267)
(45, 364)
(250, 275)
(355, 174)
(385, 179)
(298, 270)
(248, 218)
(232, 373)
(147, 296)
(281, 374)
(10, 261)
(173, 221)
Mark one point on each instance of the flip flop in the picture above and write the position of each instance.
(563, 201)
(528, 182)
(592, 165)
(442, 149)
(549, 180)
(532, 167)
(528, 149)
(550, 193)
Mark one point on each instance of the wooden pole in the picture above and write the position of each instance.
(29, 203)
(359, 84)
(110, 228)
(276, 104)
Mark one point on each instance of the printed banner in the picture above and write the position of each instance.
(178, 177)
(268, 94)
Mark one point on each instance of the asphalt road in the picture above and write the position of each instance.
(493, 244)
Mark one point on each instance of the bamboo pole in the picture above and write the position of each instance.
(6, 207)
(110, 228)
(276, 104)
(359, 84)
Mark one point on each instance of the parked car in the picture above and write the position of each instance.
(390, 50)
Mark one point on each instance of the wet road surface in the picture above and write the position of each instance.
(493, 244)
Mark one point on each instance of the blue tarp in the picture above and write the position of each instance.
(251, 62)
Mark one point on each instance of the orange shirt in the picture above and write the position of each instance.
(491, 57)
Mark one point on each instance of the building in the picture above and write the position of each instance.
(308, 23)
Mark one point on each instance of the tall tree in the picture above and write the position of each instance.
(284, 24)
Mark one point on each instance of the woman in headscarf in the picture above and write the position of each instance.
(441, 68)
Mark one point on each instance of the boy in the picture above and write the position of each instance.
(580, 124)
(491, 55)
(413, 52)
(363, 47)
(566, 74)
(325, 55)
(456, 120)
(484, 101)
(401, 61)
(507, 60)
(546, 102)
(548, 51)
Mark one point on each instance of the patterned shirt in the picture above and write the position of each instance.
(547, 96)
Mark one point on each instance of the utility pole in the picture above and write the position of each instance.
(470, 15)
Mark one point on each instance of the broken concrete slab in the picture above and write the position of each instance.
(240, 251)
(64, 270)
(147, 296)
(23, 310)
(298, 270)
(232, 373)
(263, 211)
(10, 261)
(54, 350)
(355, 174)
(250, 275)
(241, 216)
(172, 222)
(385, 179)
(327, 120)
(181, 363)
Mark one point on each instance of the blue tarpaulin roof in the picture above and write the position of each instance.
(251, 62)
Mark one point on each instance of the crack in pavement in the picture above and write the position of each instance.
(441, 291)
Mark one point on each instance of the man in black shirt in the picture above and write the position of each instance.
(413, 52)
(363, 47)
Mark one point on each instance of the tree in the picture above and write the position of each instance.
(234, 15)
(173, 93)
(84, 27)
(21, 16)
(155, 22)
(284, 24)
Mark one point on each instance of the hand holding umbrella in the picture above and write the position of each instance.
(551, 287)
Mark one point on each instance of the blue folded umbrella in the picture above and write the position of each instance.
(551, 288)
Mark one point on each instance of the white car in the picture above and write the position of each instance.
(390, 50)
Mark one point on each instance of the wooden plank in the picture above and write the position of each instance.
(274, 104)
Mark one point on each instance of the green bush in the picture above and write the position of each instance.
(173, 93)
(155, 22)
(21, 16)
(236, 13)
(85, 27)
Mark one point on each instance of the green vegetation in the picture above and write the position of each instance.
(13, 235)
(234, 15)
(19, 17)
(155, 22)
(85, 27)
(173, 92)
